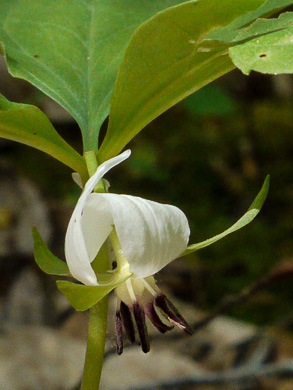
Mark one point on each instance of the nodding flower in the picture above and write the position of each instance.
(145, 236)
(142, 236)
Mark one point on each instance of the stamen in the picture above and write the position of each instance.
(149, 287)
(119, 335)
(127, 321)
(172, 313)
(141, 327)
(150, 311)
(130, 290)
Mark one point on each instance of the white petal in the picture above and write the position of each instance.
(76, 251)
(97, 224)
(151, 234)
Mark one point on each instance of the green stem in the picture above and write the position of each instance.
(92, 165)
(91, 162)
(96, 346)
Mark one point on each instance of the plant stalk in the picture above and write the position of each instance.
(96, 346)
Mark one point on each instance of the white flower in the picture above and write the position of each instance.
(151, 234)
(145, 236)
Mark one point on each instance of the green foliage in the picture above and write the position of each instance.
(229, 33)
(164, 63)
(248, 217)
(156, 54)
(271, 51)
(71, 50)
(48, 263)
(264, 46)
(167, 59)
(28, 125)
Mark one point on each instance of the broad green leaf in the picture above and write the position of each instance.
(48, 263)
(71, 50)
(165, 62)
(83, 297)
(272, 52)
(249, 216)
(27, 124)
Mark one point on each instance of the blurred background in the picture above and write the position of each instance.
(208, 155)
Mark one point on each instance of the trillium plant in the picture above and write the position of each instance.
(129, 60)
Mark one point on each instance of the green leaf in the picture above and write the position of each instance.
(48, 263)
(165, 62)
(271, 51)
(83, 297)
(249, 216)
(28, 125)
(229, 33)
(71, 50)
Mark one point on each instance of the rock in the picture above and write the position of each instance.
(22, 207)
(134, 368)
(34, 358)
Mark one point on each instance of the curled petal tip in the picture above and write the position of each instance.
(127, 153)
(90, 280)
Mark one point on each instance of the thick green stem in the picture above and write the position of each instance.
(96, 346)
(92, 165)
(91, 162)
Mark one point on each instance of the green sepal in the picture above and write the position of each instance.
(48, 263)
(83, 297)
(249, 216)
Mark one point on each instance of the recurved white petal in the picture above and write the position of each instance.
(78, 251)
(151, 234)
(97, 224)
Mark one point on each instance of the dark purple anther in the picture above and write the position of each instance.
(141, 327)
(127, 321)
(150, 311)
(172, 313)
